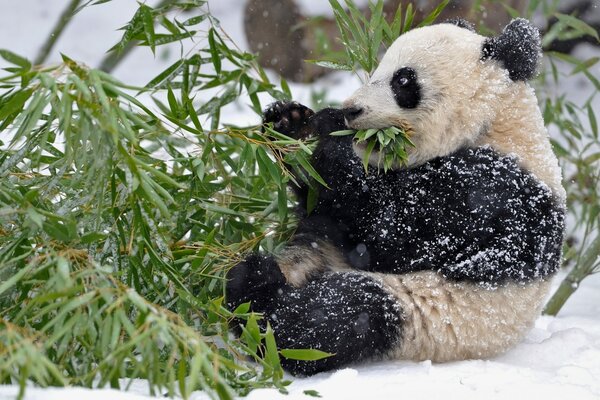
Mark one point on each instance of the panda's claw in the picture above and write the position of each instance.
(289, 118)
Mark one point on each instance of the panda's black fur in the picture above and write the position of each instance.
(518, 48)
(480, 200)
(471, 216)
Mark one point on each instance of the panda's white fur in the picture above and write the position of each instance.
(443, 320)
(465, 102)
(449, 321)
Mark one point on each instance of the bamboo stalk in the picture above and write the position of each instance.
(62, 23)
(112, 59)
(571, 282)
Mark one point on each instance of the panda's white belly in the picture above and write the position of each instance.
(446, 321)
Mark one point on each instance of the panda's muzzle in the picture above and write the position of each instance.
(351, 113)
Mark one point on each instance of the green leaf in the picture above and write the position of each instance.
(593, 122)
(408, 18)
(267, 165)
(214, 52)
(592, 158)
(195, 20)
(93, 237)
(370, 132)
(148, 20)
(587, 64)
(272, 356)
(134, 27)
(429, 19)
(367, 155)
(162, 39)
(304, 354)
(282, 203)
(15, 59)
(312, 393)
(242, 309)
(331, 65)
(165, 76)
(343, 133)
(286, 89)
(35, 217)
(578, 25)
(15, 103)
(311, 171)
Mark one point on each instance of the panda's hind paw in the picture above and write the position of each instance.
(256, 279)
(289, 118)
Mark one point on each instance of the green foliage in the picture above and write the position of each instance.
(363, 38)
(577, 146)
(391, 145)
(118, 222)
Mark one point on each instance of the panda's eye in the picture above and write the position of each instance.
(404, 76)
(406, 89)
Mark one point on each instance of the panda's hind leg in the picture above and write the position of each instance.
(347, 314)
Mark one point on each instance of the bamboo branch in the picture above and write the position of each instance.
(62, 23)
(571, 282)
(112, 59)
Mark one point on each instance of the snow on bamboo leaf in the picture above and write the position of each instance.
(390, 143)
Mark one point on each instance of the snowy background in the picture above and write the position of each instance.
(560, 357)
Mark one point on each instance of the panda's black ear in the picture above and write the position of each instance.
(463, 23)
(518, 48)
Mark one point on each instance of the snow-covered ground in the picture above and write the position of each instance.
(559, 359)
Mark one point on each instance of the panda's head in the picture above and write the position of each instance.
(447, 83)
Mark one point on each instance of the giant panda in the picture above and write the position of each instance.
(446, 258)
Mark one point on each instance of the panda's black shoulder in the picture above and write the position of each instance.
(471, 166)
(479, 195)
(482, 177)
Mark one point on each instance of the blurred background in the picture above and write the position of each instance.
(283, 32)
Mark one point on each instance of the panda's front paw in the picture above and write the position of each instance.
(257, 279)
(289, 118)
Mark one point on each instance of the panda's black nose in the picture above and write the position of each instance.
(351, 113)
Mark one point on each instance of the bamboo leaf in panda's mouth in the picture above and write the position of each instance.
(390, 143)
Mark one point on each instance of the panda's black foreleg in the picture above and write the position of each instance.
(333, 154)
(256, 279)
(292, 119)
(347, 314)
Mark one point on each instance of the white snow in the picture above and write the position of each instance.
(560, 357)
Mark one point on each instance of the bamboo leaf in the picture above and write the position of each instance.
(304, 354)
(214, 53)
(331, 65)
(577, 24)
(15, 59)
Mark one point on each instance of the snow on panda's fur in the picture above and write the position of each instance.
(446, 259)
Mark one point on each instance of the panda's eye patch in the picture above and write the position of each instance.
(404, 76)
(405, 87)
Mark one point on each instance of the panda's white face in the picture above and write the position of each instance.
(432, 79)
